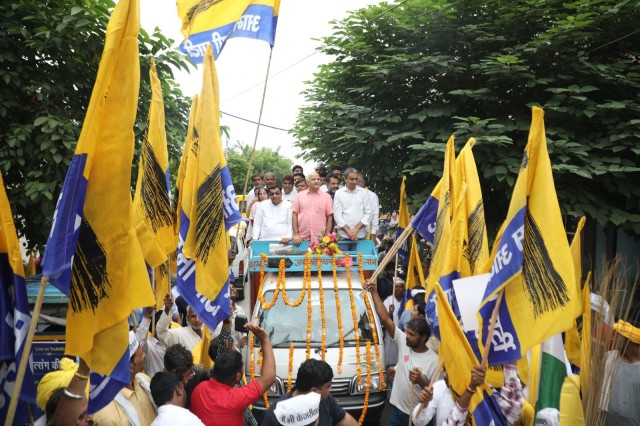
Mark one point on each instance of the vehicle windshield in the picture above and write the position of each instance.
(286, 325)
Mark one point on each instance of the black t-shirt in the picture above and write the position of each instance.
(330, 413)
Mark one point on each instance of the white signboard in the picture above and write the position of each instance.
(469, 292)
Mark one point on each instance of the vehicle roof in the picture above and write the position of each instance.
(293, 280)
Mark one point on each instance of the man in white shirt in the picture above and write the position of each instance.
(154, 348)
(392, 304)
(258, 182)
(273, 218)
(170, 397)
(416, 363)
(288, 191)
(188, 336)
(372, 227)
(351, 208)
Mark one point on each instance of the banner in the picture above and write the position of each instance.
(531, 261)
(15, 317)
(208, 209)
(93, 254)
(211, 23)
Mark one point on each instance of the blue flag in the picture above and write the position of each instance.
(425, 221)
(15, 317)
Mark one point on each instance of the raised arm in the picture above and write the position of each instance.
(382, 312)
(268, 370)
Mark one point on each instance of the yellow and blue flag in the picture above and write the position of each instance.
(531, 261)
(424, 222)
(182, 168)
(16, 318)
(151, 204)
(415, 275)
(573, 336)
(442, 268)
(93, 254)
(459, 359)
(212, 23)
(403, 220)
(208, 209)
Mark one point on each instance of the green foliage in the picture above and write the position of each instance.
(49, 56)
(264, 160)
(402, 82)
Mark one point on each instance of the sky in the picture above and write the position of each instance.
(242, 68)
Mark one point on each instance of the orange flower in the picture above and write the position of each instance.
(355, 320)
(323, 347)
(339, 312)
(267, 306)
(373, 325)
(290, 375)
(306, 279)
(367, 385)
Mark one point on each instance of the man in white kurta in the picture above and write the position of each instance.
(188, 336)
(374, 223)
(273, 218)
(352, 208)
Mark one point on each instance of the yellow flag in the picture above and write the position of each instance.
(182, 168)
(415, 276)
(153, 215)
(31, 266)
(403, 211)
(93, 252)
(458, 362)
(572, 336)
(531, 261)
(201, 350)
(585, 343)
(571, 413)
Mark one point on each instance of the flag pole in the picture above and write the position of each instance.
(24, 360)
(390, 254)
(492, 327)
(434, 378)
(255, 139)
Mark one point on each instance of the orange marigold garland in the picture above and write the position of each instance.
(356, 329)
(290, 374)
(309, 314)
(323, 345)
(264, 395)
(267, 306)
(338, 311)
(367, 385)
(372, 322)
(306, 279)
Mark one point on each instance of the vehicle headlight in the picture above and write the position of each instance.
(361, 388)
(276, 388)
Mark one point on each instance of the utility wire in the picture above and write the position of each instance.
(254, 122)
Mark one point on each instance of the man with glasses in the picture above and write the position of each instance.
(273, 218)
(188, 336)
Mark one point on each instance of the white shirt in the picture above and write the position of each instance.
(184, 335)
(351, 208)
(290, 196)
(172, 415)
(396, 312)
(427, 362)
(440, 406)
(272, 222)
(154, 348)
(373, 224)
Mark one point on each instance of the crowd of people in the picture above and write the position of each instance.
(166, 388)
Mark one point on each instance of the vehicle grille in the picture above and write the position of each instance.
(339, 387)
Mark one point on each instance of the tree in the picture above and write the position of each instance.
(265, 160)
(403, 80)
(50, 54)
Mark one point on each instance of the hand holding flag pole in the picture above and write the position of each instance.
(492, 326)
(434, 378)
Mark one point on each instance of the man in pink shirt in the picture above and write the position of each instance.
(312, 211)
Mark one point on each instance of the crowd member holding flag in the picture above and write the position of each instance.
(416, 362)
(188, 336)
(93, 254)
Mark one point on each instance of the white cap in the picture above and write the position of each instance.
(417, 291)
(548, 417)
(298, 411)
(398, 280)
(133, 344)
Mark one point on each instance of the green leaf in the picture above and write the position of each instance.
(40, 121)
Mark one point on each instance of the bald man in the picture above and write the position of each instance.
(312, 211)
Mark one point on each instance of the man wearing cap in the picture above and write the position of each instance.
(394, 304)
(314, 377)
(133, 405)
(624, 400)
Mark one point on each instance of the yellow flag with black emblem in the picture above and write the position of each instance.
(573, 336)
(152, 207)
(93, 254)
(415, 275)
(531, 261)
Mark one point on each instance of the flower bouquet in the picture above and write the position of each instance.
(324, 244)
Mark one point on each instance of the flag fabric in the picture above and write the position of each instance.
(16, 318)
(415, 275)
(424, 222)
(208, 209)
(585, 342)
(459, 359)
(531, 261)
(211, 23)
(442, 266)
(182, 168)
(571, 412)
(573, 335)
(31, 267)
(403, 221)
(93, 254)
(153, 219)
(554, 368)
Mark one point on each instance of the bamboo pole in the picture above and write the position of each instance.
(492, 327)
(24, 360)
